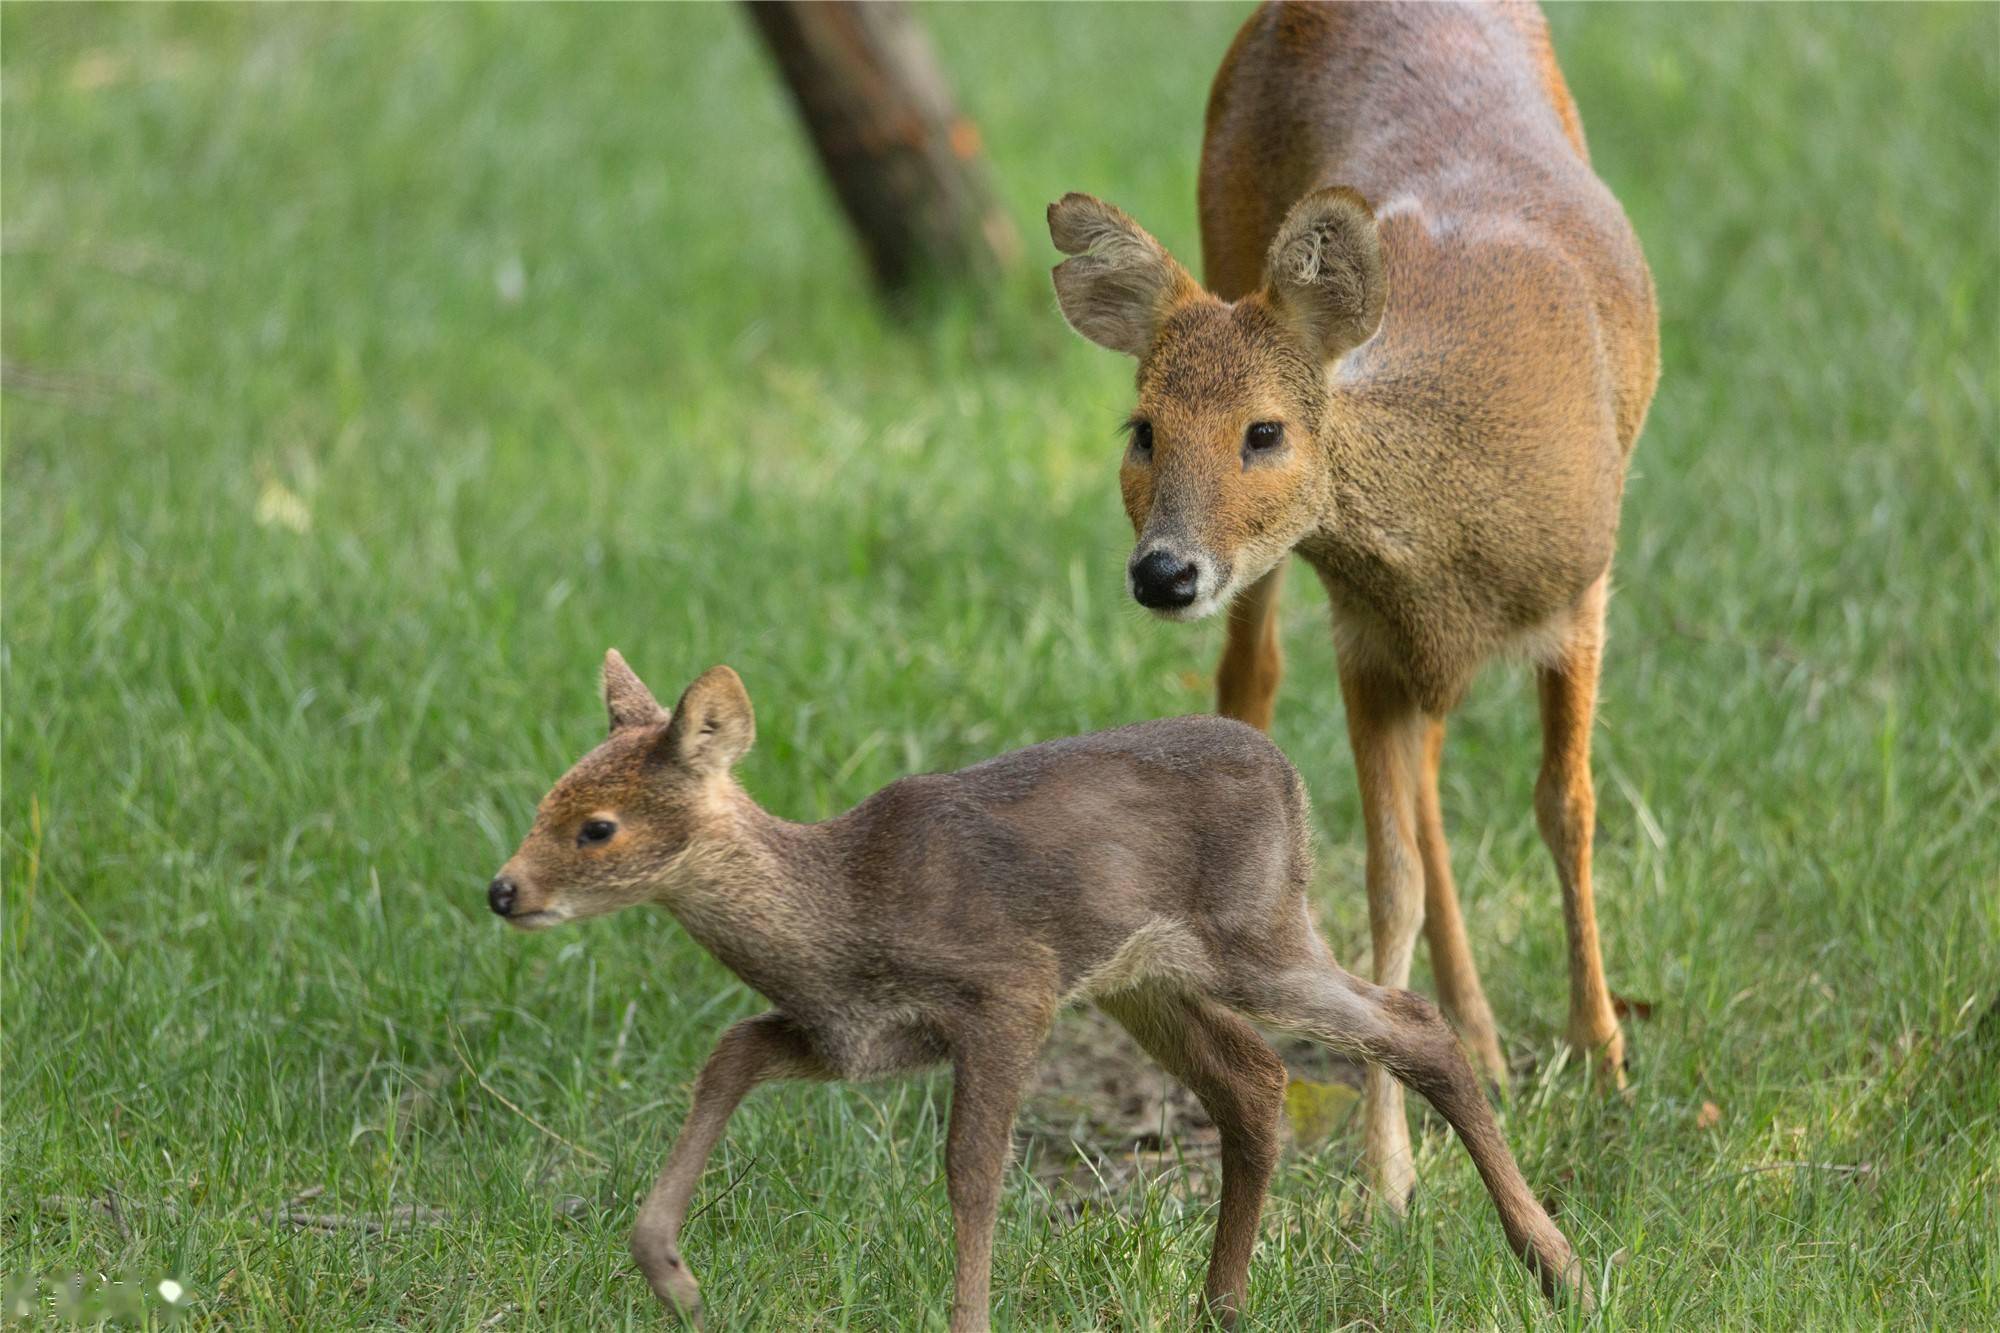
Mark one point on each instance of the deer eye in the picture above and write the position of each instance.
(595, 832)
(1141, 432)
(1263, 435)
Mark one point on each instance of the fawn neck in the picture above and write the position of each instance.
(751, 890)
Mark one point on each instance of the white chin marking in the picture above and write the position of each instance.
(1201, 608)
(538, 920)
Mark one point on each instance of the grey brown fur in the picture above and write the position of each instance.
(1158, 870)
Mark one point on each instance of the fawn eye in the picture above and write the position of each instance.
(1141, 432)
(594, 832)
(1263, 435)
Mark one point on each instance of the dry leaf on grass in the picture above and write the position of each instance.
(1625, 1006)
(1317, 1110)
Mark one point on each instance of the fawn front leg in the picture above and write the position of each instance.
(753, 1051)
(986, 1092)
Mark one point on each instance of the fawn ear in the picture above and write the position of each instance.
(1121, 283)
(1323, 273)
(713, 725)
(626, 697)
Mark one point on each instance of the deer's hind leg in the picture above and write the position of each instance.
(1241, 1083)
(1566, 810)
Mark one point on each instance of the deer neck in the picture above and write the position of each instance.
(1373, 538)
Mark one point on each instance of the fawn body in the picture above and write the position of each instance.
(1158, 870)
(1425, 352)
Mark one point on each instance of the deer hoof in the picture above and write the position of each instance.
(1604, 1053)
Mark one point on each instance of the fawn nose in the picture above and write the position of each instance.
(1162, 580)
(500, 895)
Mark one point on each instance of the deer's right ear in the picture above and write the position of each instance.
(1323, 274)
(1121, 282)
(713, 725)
(626, 697)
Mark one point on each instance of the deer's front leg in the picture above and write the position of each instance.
(1385, 729)
(753, 1051)
(1246, 679)
(986, 1092)
(1566, 809)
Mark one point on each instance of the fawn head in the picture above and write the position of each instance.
(1226, 462)
(620, 825)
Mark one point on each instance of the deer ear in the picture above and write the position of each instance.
(713, 725)
(1121, 282)
(1323, 274)
(626, 697)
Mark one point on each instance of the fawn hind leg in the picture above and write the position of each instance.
(1241, 1083)
(751, 1052)
(1404, 1034)
(1566, 810)
(1459, 992)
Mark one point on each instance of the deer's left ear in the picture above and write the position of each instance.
(712, 725)
(1323, 273)
(626, 697)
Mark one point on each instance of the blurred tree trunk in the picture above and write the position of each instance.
(905, 164)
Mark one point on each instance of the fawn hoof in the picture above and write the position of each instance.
(680, 1293)
(1565, 1286)
(669, 1277)
(1219, 1311)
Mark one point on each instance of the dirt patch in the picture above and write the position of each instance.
(1100, 1115)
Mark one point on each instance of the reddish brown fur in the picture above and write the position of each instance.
(1452, 470)
(1158, 870)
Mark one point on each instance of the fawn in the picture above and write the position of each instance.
(1431, 400)
(1158, 870)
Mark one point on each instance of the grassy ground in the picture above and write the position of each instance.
(370, 370)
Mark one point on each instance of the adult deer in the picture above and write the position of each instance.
(1423, 356)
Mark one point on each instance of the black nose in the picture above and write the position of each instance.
(500, 895)
(1161, 580)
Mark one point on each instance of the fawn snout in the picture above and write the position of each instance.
(514, 899)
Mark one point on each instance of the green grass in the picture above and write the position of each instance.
(255, 777)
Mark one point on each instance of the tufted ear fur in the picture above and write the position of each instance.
(626, 697)
(1323, 273)
(713, 726)
(1121, 282)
